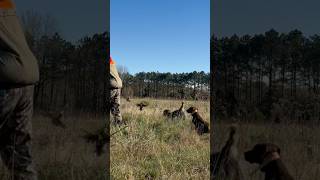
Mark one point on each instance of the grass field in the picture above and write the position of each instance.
(61, 154)
(299, 144)
(154, 148)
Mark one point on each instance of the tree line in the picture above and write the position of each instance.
(193, 85)
(72, 75)
(273, 76)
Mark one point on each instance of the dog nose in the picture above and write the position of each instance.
(247, 156)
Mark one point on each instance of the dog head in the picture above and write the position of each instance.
(192, 110)
(166, 112)
(260, 152)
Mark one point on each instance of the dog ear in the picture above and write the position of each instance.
(191, 109)
(272, 148)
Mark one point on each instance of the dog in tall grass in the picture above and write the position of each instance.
(200, 124)
(100, 138)
(267, 155)
(177, 114)
(224, 164)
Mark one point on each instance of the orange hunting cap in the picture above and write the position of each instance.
(6, 4)
(111, 61)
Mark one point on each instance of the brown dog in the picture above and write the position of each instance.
(201, 125)
(268, 156)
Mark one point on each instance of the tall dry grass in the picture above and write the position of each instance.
(299, 144)
(153, 147)
(61, 154)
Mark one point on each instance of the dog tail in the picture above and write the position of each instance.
(233, 129)
(226, 150)
(182, 106)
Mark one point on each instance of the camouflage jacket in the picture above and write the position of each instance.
(18, 65)
(115, 80)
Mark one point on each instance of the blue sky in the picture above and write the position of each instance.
(161, 35)
(258, 16)
(75, 18)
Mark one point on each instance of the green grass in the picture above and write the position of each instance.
(154, 147)
(150, 147)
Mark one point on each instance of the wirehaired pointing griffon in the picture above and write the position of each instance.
(268, 157)
(179, 113)
(167, 113)
(201, 125)
(142, 104)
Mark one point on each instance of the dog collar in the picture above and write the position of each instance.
(194, 112)
(269, 157)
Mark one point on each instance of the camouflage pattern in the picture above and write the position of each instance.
(115, 80)
(18, 64)
(16, 108)
(115, 105)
